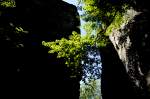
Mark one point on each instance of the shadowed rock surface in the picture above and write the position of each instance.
(27, 70)
(125, 75)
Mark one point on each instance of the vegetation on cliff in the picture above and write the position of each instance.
(102, 17)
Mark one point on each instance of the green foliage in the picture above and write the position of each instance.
(72, 49)
(8, 3)
(67, 49)
(94, 12)
(93, 33)
(90, 91)
(101, 20)
(20, 30)
(110, 13)
(91, 10)
(118, 20)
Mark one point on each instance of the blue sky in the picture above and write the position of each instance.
(74, 2)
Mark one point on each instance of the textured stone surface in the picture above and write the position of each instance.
(131, 42)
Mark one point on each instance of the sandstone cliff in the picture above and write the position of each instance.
(129, 66)
(27, 70)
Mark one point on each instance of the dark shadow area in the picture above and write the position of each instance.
(26, 68)
(115, 83)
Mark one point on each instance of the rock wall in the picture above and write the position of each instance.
(27, 70)
(115, 83)
(131, 42)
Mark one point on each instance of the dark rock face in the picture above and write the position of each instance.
(125, 75)
(28, 70)
(115, 83)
